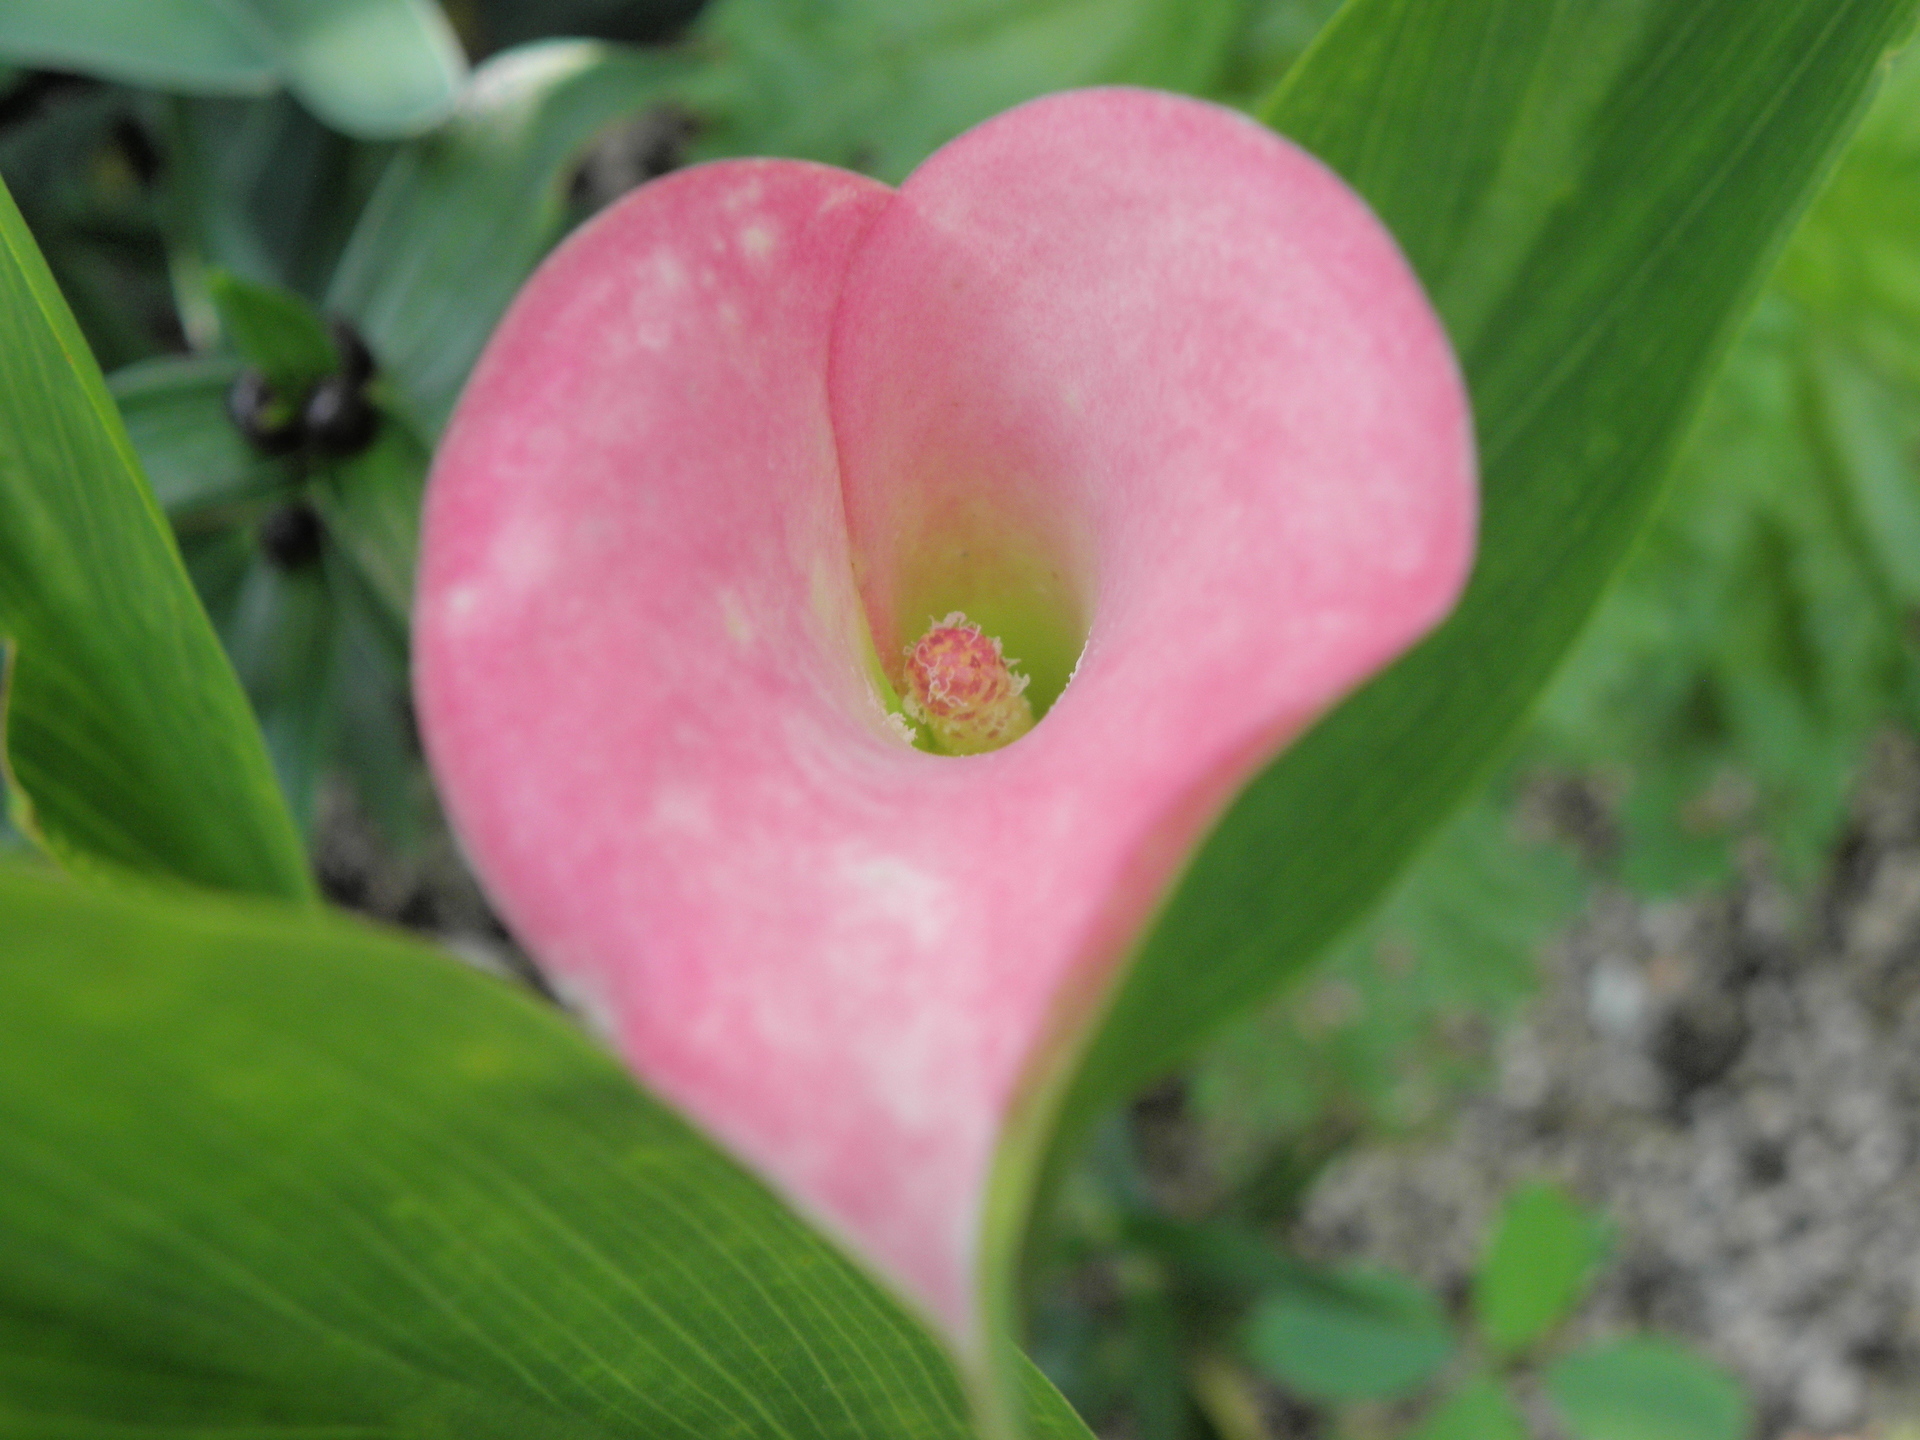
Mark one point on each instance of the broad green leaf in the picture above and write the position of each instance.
(1480, 1410)
(125, 727)
(1357, 1335)
(262, 1173)
(1647, 1389)
(200, 45)
(274, 330)
(461, 217)
(372, 68)
(1592, 192)
(876, 85)
(175, 411)
(1540, 1257)
(1272, 35)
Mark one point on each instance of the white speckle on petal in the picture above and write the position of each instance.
(885, 893)
(521, 558)
(747, 194)
(757, 240)
(459, 605)
(668, 272)
(682, 810)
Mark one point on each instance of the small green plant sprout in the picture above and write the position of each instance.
(1351, 1337)
(1540, 1259)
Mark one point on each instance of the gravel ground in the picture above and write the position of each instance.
(1736, 1081)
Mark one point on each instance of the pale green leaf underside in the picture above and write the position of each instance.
(372, 68)
(197, 45)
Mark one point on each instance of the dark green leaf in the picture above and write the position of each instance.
(1272, 35)
(1481, 1410)
(1647, 1389)
(273, 330)
(371, 504)
(1540, 1258)
(1592, 193)
(1357, 1335)
(461, 217)
(175, 410)
(64, 153)
(125, 727)
(259, 188)
(264, 1174)
(1234, 1263)
(372, 68)
(200, 45)
(279, 633)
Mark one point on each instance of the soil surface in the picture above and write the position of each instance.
(1735, 1081)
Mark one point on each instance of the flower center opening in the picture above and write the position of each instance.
(1007, 575)
(961, 685)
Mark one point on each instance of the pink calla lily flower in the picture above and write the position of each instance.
(1120, 381)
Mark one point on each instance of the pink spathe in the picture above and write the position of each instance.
(1157, 366)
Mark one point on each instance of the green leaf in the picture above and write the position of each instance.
(199, 45)
(1647, 1389)
(1355, 1335)
(1273, 34)
(372, 68)
(877, 86)
(262, 1173)
(175, 411)
(279, 633)
(371, 504)
(259, 188)
(1539, 1261)
(274, 330)
(1592, 193)
(461, 217)
(1480, 1410)
(125, 727)
(376, 69)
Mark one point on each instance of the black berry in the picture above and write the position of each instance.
(269, 420)
(339, 421)
(356, 361)
(290, 535)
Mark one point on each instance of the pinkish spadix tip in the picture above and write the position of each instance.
(959, 682)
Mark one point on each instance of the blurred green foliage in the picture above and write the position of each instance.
(1767, 628)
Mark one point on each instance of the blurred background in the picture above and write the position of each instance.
(1618, 1094)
